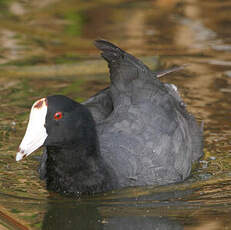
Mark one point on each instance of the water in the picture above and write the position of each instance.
(47, 48)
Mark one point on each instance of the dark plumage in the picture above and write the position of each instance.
(135, 132)
(71, 162)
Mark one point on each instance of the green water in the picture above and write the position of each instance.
(47, 48)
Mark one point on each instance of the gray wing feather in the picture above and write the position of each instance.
(100, 105)
(149, 129)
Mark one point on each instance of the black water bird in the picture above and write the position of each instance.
(136, 132)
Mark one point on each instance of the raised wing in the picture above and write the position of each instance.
(129, 76)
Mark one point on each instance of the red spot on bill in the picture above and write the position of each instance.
(39, 104)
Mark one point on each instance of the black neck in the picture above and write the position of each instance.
(77, 170)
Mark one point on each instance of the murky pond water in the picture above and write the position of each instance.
(47, 48)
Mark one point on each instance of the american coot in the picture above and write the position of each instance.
(136, 132)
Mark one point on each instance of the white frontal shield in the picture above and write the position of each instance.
(36, 132)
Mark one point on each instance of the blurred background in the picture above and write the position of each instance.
(46, 47)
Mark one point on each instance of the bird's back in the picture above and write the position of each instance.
(148, 137)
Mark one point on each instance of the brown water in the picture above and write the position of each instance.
(47, 47)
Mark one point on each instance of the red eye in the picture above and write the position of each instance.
(58, 115)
